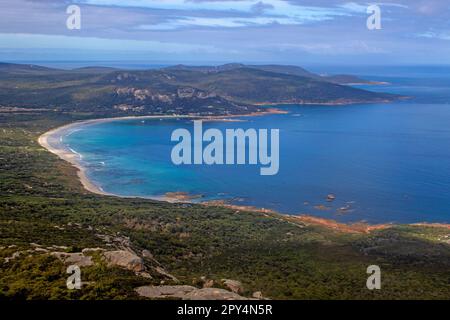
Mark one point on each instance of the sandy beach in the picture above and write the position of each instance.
(69, 156)
(51, 140)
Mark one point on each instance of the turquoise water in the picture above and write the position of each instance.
(384, 162)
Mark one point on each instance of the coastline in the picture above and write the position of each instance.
(331, 103)
(68, 155)
(74, 158)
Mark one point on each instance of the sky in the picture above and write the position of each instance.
(301, 32)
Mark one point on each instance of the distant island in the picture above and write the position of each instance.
(202, 90)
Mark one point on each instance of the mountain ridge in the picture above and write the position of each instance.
(206, 90)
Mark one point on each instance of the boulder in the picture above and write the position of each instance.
(91, 250)
(164, 291)
(187, 293)
(124, 259)
(212, 294)
(234, 285)
(208, 284)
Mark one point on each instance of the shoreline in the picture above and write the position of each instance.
(74, 158)
(69, 157)
(337, 103)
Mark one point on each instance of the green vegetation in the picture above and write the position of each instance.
(44, 209)
(42, 203)
(223, 90)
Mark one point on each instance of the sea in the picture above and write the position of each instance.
(377, 163)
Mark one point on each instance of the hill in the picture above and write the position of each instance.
(130, 247)
(135, 248)
(283, 69)
(218, 90)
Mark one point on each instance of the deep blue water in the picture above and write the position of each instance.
(384, 162)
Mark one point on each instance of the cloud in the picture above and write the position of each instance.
(261, 7)
(218, 23)
(354, 7)
(431, 7)
(251, 30)
(227, 14)
(334, 49)
(181, 5)
(362, 8)
(40, 41)
(434, 35)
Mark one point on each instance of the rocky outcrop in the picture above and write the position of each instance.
(186, 92)
(92, 250)
(164, 291)
(15, 255)
(187, 293)
(208, 284)
(165, 273)
(189, 92)
(234, 285)
(213, 294)
(124, 259)
(77, 258)
(144, 94)
(147, 254)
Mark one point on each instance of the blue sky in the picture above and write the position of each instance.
(217, 31)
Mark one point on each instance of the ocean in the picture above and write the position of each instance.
(382, 162)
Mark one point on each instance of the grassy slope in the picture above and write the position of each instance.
(40, 196)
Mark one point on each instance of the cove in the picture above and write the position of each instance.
(383, 162)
